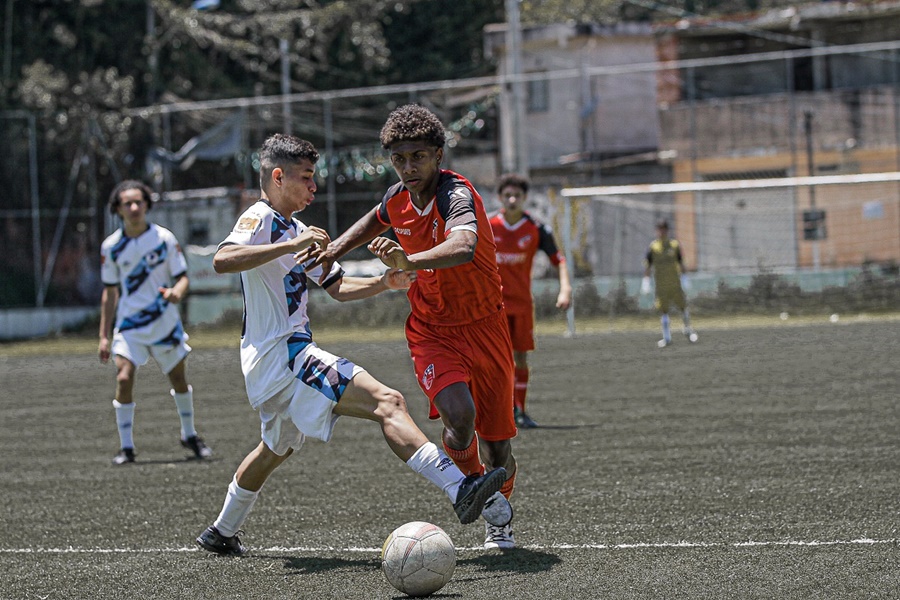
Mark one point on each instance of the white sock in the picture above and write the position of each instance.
(238, 503)
(125, 423)
(667, 335)
(433, 464)
(687, 319)
(185, 405)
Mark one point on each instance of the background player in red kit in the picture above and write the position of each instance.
(519, 236)
(457, 331)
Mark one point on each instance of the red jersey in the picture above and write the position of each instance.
(456, 295)
(516, 246)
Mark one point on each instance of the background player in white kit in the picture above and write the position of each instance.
(144, 277)
(299, 389)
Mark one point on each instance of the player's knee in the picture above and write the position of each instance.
(125, 378)
(460, 421)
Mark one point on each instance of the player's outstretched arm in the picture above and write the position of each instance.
(235, 258)
(357, 288)
(361, 232)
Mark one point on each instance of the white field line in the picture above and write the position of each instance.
(326, 549)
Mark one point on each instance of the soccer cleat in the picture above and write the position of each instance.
(196, 445)
(523, 420)
(125, 455)
(498, 536)
(663, 343)
(214, 541)
(497, 510)
(474, 491)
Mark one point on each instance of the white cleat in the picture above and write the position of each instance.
(663, 343)
(498, 537)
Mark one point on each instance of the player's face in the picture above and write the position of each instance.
(417, 165)
(132, 207)
(513, 199)
(299, 184)
(662, 232)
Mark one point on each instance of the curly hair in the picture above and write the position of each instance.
(513, 179)
(412, 123)
(129, 184)
(282, 150)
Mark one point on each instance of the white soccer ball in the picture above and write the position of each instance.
(418, 558)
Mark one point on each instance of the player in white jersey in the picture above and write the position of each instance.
(144, 277)
(298, 388)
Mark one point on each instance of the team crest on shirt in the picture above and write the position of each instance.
(247, 224)
(428, 376)
(524, 241)
(434, 228)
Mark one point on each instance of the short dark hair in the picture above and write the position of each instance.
(514, 179)
(129, 184)
(282, 150)
(662, 224)
(410, 123)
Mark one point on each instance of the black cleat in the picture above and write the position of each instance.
(474, 491)
(125, 455)
(214, 541)
(195, 444)
(523, 421)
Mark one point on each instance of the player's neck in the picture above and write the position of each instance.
(422, 200)
(279, 205)
(513, 217)
(134, 230)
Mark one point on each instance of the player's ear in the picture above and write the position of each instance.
(439, 154)
(277, 176)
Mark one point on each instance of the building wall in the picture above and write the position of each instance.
(597, 114)
(862, 220)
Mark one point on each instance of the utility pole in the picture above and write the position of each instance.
(515, 158)
(285, 85)
(807, 128)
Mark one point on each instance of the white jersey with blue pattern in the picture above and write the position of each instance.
(140, 266)
(275, 325)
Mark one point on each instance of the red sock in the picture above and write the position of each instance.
(467, 460)
(521, 388)
(507, 488)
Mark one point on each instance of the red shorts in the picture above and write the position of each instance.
(521, 331)
(478, 354)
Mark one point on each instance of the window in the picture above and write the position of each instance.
(538, 99)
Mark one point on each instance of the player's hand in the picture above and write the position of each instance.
(170, 295)
(564, 300)
(391, 253)
(103, 350)
(645, 285)
(314, 236)
(323, 258)
(396, 279)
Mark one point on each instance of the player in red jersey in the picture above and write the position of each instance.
(519, 236)
(457, 332)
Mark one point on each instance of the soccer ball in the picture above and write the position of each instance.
(418, 558)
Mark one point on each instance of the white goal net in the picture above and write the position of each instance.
(740, 225)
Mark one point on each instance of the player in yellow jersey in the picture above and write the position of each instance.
(664, 260)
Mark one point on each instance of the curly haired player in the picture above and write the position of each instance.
(457, 332)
